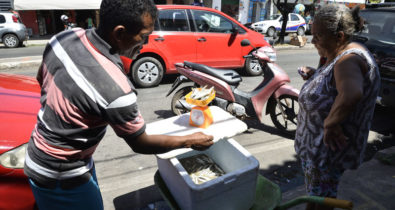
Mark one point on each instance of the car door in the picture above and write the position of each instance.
(293, 23)
(173, 38)
(217, 46)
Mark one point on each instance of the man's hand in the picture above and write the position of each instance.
(199, 141)
(334, 138)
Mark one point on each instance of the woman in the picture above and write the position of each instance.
(336, 102)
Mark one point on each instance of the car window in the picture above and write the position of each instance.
(379, 26)
(294, 17)
(173, 20)
(239, 29)
(211, 22)
(2, 19)
(273, 17)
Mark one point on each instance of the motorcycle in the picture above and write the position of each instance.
(280, 98)
(66, 23)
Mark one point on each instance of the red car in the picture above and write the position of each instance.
(196, 34)
(19, 105)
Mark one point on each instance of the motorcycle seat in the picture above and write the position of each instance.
(228, 75)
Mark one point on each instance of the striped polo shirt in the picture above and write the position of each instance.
(83, 89)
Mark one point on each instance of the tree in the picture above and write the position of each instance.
(284, 9)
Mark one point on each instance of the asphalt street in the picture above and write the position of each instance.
(126, 178)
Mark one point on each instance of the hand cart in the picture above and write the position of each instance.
(268, 196)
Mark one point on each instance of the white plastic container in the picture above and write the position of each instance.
(234, 190)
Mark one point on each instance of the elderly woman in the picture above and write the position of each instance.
(336, 102)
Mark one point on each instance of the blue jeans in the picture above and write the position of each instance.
(84, 197)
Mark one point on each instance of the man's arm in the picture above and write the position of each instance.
(156, 144)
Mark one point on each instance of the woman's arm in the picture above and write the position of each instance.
(348, 75)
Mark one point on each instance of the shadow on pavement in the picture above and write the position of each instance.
(139, 199)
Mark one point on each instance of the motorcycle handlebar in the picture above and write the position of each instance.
(248, 56)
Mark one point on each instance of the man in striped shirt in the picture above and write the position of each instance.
(84, 89)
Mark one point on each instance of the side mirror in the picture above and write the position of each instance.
(245, 42)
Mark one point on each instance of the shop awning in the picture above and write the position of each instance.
(56, 4)
(347, 1)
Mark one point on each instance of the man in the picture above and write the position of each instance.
(83, 90)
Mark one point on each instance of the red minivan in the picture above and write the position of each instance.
(196, 34)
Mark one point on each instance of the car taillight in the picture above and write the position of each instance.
(15, 19)
(14, 158)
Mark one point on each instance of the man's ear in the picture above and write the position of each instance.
(118, 33)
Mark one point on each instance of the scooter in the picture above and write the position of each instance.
(280, 98)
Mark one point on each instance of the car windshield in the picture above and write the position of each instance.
(273, 17)
(379, 25)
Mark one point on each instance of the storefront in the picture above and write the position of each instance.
(43, 17)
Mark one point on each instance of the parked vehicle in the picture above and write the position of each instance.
(273, 24)
(20, 102)
(379, 38)
(12, 31)
(281, 98)
(197, 34)
(68, 25)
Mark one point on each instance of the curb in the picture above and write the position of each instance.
(293, 47)
(20, 62)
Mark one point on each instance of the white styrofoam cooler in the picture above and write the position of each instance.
(234, 190)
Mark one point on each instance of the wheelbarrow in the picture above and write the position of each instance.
(267, 196)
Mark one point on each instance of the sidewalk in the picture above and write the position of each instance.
(370, 187)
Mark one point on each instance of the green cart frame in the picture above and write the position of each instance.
(268, 196)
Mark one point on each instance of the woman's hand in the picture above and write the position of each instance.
(334, 138)
(199, 141)
(306, 72)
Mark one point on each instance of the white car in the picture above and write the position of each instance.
(12, 31)
(295, 23)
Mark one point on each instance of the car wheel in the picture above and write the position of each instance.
(271, 31)
(252, 67)
(147, 72)
(300, 31)
(10, 41)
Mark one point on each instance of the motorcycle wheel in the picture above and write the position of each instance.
(290, 106)
(180, 95)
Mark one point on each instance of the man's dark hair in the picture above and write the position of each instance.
(125, 12)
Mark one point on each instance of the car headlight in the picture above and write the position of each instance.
(14, 158)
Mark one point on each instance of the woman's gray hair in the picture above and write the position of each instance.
(338, 17)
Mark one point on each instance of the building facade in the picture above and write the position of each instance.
(42, 17)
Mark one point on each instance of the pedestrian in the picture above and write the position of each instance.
(307, 19)
(336, 102)
(89, 23)
(83, 90)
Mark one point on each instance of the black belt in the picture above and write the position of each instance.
(65, 184)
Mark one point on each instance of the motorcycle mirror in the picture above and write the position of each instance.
(245, 42)
(234, 31)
